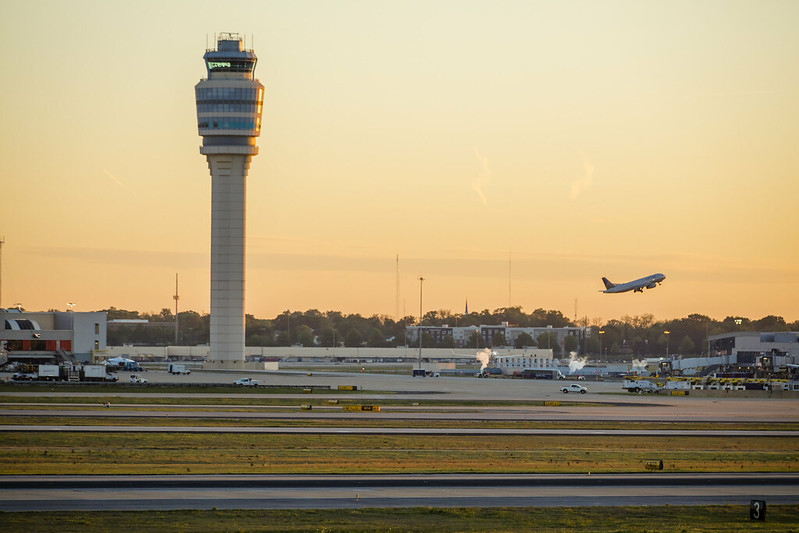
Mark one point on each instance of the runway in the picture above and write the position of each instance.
(590, 408)
(283, 430)
(93, 493)
(602, 403)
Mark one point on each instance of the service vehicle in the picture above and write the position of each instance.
(173, 368)
(573, 387)
(247, 382)
(641, 385)
(97, 373)
(48, 372)
(137, 379)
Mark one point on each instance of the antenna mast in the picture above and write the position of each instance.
(509, 279)
(2, 240)
(176, 297)
(396, 303)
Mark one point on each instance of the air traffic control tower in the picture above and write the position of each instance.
(229, 104)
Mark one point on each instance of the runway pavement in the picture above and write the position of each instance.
(649, 409)
(282, 430)
(50, 493)
(604, 402)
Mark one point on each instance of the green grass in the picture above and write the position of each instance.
(232, 453)
(668, 519)
(183, 418)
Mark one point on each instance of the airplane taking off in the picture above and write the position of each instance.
(649, 282)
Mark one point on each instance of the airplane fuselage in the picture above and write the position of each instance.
(648, 282)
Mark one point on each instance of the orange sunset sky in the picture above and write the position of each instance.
(565, 140)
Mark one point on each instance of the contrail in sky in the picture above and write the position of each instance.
(114, 178)
(484, 179)
(583, 183)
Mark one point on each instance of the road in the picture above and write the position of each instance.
(94, 493)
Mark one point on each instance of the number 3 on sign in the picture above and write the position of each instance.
(757, 510)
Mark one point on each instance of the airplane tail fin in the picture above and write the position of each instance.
(608, 284)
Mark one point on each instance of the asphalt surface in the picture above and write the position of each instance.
(604, 402)
(94, 493)
(564, 432)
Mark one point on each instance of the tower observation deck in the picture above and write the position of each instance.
(229, 106)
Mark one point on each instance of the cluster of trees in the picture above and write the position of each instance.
(642, 335)
(630, 335)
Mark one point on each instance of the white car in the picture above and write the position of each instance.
(247, 382)
(573, 387)
(136, 379)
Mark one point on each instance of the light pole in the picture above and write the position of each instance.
(601, 332)
(421, 285)
(666, 333)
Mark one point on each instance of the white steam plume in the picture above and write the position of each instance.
(576, 363)
(483, 356)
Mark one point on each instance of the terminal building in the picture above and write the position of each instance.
(756, 350)
(52, 336)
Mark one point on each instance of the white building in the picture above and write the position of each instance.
(52, 335)
(750, 349)
(535, 360)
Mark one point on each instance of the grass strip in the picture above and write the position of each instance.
(373, 420)
(666, 519)
(165, 453)
(223, 400)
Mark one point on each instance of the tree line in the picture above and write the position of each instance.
(635, 336)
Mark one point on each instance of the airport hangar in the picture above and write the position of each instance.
(52, 336)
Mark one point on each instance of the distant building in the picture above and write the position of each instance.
(751, 349)
(461, 335)
(532, 361)
(51, 336)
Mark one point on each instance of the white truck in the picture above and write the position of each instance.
(48, 373)
(247, 382)
(641, 385)
(573, 387)
(173, 368)
(97, 373)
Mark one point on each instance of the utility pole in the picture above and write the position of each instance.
(176, 297)
(2, 240)
(397, 309)
(510, 300)
(421, 282)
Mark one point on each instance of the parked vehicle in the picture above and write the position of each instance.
(137, 379)
(247, 382)
(641, 385)
(173, 368)
(48, 373)
(573, 387)
(97, 373)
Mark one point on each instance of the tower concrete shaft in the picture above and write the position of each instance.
(229, 106)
